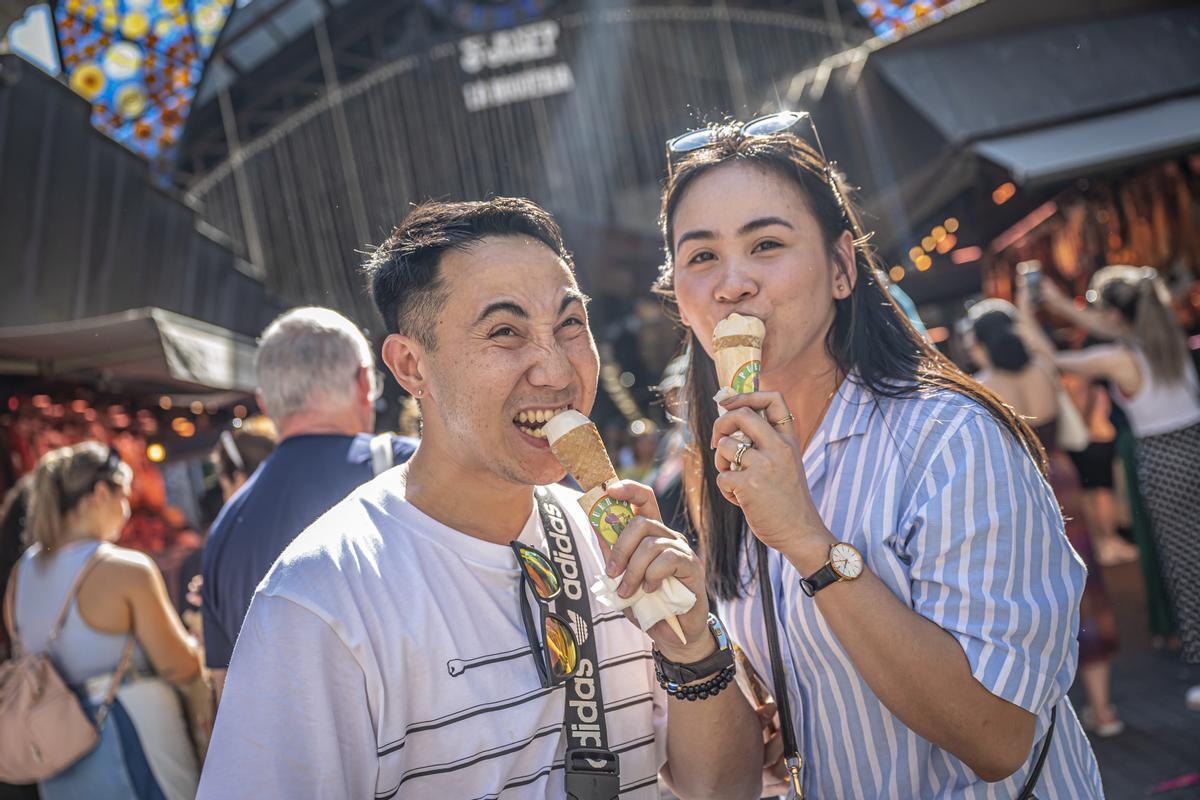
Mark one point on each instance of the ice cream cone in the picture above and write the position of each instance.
(737, 351)
(577, 445)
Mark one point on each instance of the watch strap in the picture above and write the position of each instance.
(688, 673)
(823, 577)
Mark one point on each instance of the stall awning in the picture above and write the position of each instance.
(147, 348)
(1094, 145)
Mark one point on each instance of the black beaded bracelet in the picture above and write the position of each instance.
(697, 691)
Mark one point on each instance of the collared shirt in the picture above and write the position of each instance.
(303, 478)
(951, 513)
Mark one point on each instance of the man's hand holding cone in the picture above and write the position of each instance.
(646, 556)
(576, 443)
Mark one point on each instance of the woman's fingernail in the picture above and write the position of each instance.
(611, 567)
(624, 591)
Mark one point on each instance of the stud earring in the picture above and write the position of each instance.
(420, 392)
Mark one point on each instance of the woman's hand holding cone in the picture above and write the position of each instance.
(771, 487)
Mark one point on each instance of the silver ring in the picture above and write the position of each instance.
(739, 452)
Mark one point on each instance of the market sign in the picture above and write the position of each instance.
(501, 50)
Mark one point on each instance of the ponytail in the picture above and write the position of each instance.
(45, 499)
(61, 475)
(1144, 302)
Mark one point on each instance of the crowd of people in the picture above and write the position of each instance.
(896, 565)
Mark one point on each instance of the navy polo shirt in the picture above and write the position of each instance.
(302, 479)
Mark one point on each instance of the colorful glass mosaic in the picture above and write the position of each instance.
(139, 63)
(893, 17)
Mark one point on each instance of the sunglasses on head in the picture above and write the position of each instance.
(555, 653)
(800, 123)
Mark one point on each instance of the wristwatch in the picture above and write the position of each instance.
(688, 673)
(845, 564)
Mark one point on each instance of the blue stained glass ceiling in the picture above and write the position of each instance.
(139, 63)
(893, 17)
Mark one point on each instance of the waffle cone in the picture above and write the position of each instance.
(738, 368)
(582, 452)
(737, 351)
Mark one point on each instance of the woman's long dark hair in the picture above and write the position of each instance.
(870, 337)
(995, 329)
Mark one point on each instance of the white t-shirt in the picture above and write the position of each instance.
(384, 656)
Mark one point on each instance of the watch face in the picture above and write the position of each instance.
(846, 561)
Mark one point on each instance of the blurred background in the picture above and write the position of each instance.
(175, 173)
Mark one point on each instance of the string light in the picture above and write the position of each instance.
(966, 255)
(896, 273)
(156, 452)
(1003, 193)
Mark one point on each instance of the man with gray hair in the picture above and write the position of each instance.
(318, 383)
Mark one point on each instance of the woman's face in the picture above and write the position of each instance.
(112, 507)
(745, 241)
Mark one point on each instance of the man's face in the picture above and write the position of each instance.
(513, 347)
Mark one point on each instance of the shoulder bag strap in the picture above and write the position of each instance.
(10, 600)
(382, 455)
(592, 770)
(766, 591)
(1027, 791)
(118, 675)
(61, 619)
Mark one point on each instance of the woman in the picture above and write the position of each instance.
(78, 503)
(238, 453)
(1031, 385)
(1096, 474)
(939, 668)
(1155, 383)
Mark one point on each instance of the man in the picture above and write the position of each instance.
(317, 382)
(387, 654)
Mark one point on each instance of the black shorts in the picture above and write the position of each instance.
(1095, 465)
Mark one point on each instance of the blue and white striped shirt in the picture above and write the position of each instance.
(951, 513)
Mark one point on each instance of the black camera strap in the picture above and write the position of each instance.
(593, 772)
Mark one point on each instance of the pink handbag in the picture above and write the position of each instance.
(43, 727)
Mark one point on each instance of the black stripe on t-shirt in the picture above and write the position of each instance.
(630, 787)
(459, 716)
(472, 760)
(498, 705)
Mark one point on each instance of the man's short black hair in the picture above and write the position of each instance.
(403, 272)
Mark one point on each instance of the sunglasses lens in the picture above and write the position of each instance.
(561, 654)
(692, 141)
(772, 124)
(540, 573)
